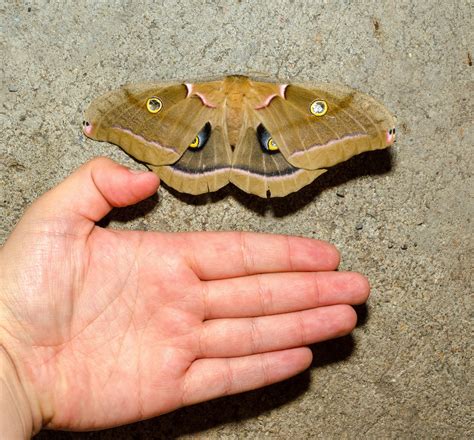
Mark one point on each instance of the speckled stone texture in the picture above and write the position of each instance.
(402, 217)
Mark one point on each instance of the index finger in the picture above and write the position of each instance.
(220, 255)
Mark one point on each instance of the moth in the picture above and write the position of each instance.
(268, 139)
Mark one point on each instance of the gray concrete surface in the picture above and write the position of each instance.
(403, 217)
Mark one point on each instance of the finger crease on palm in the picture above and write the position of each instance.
(185, 388)
(202, 340)
(96, 188)
(265, 369)
(206, 306)
(290, 257)
(228, 378)
(316, 290)
(301, 329)
(265, 296)
(194, 262)
(255, 336)
(246, 255)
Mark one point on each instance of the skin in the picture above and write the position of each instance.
(146, 322)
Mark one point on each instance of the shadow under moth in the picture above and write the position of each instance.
(268, 139)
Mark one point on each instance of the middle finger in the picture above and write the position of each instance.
(270, 294)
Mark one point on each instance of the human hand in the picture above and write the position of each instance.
(105, 327)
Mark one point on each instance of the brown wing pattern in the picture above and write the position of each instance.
(200, 171)
(353, 123)
(266, 174)
(121, 117)
(184, 135)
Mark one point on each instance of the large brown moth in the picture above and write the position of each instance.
(268, 139)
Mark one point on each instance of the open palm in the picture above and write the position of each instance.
(106, 327)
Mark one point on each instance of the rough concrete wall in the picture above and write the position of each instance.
(402, 217)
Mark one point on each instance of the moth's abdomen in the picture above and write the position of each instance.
(234, 116)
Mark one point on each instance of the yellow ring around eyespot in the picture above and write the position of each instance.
(320, 103)
(271, 145)
(154, 104)
(194, 143)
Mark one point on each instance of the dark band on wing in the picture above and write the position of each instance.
(189, 170)
(200, 170)
(206, 154)
(254, 158)
(263, 174)
(285, 170)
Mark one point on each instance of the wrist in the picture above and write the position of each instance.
(16, 415)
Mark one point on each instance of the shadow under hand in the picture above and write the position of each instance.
(198, 418)
(336, 350)
(129, 213)
(232, 409)
(329, 352)
(362, 314)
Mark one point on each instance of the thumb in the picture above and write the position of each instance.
(94, 189)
